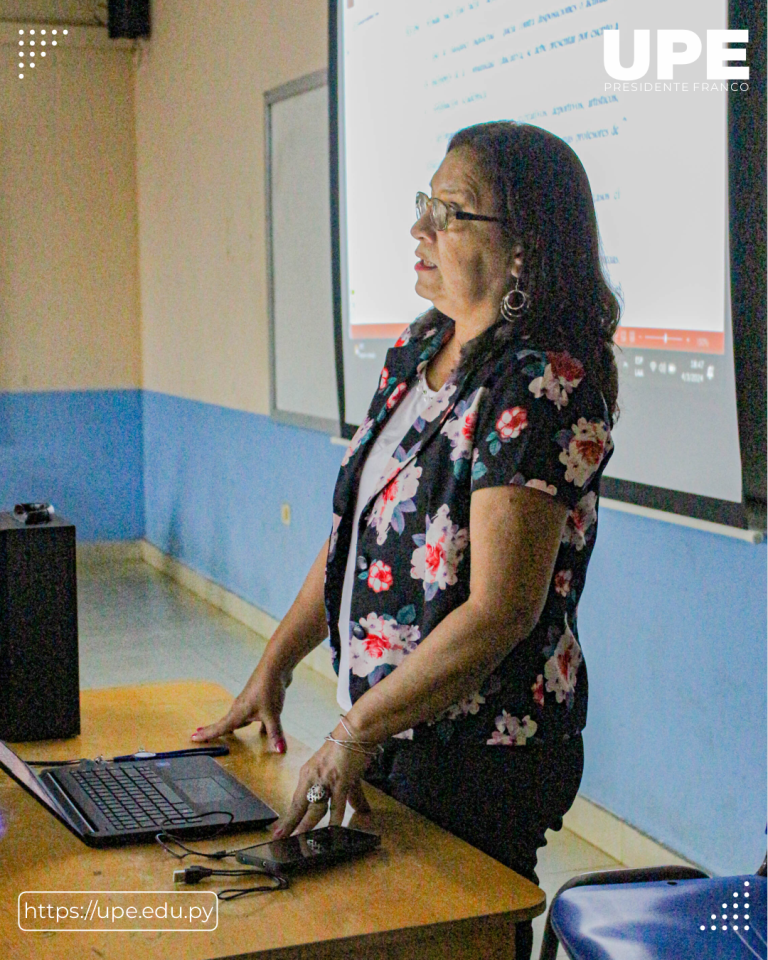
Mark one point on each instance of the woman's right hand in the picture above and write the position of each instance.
(261, 700)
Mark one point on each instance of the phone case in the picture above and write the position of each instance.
(323, 847)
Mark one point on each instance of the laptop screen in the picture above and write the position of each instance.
(26, 777)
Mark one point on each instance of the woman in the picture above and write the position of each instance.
(465, 514)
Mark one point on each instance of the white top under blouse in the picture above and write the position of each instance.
(413, 405)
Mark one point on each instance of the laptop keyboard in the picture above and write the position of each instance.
(132, 798)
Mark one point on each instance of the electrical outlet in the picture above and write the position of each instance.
(285, 513)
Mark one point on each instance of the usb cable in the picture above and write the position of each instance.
(195, 873)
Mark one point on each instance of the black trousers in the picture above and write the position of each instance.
(499, 799)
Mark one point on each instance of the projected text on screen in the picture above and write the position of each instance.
(414, 73)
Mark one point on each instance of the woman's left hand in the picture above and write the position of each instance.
(339, 770)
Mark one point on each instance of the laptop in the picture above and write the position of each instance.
(112, 804)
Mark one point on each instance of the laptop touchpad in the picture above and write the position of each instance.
(205, 790)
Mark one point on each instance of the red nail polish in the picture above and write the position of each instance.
(281, 746)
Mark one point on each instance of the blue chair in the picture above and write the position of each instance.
(661, 913)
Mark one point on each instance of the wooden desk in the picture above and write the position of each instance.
(425, 894)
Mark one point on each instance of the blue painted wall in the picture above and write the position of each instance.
(673, 620)
(215, 479)
(673, 623)
(79, 450)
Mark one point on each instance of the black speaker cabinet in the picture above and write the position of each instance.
(39, 671)
(128, 18)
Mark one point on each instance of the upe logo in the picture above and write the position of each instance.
(667, 57)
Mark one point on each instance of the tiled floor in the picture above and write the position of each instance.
(136, 626)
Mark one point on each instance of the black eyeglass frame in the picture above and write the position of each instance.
(450, 213)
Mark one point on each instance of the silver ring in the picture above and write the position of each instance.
(318, 793)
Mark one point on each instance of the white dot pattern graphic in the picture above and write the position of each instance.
(734, 917)
(42, 43)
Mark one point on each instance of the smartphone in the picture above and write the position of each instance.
(308, 850)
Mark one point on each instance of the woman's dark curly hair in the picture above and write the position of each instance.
(542, 191)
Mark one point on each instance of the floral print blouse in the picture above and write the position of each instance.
(526, 417)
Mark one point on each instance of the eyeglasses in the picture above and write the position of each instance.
(440, 214)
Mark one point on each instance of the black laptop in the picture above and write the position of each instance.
(110, 804)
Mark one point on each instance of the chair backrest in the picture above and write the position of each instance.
(549, 941)
(634, 875)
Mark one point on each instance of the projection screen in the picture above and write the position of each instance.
(409, 73)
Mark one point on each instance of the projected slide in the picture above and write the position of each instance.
(412, 72)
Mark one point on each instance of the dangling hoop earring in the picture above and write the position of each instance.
(514, 302)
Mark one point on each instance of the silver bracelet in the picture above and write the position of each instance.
(354, 746)
(354, 738)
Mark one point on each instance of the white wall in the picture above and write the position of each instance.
(83, 12)
(200, 142)
(69, 302)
